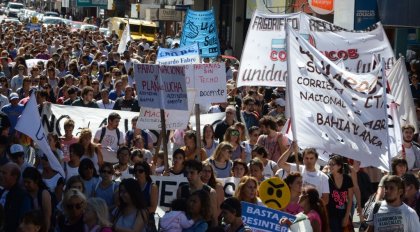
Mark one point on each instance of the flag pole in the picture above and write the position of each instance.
(384, 95)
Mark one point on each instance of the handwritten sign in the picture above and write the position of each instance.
(185, 55)
(161, 86)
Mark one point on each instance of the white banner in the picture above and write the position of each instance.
(161, 86)
(400, 89)
(168, 186)
(30, 124)
(185, 55)
(336, 110)
(125, 37)
(209, 80)
(263, 61)
(54, 116)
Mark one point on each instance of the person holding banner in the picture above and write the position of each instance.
(274, 142)
(311, 176)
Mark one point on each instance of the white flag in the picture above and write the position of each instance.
(30, 124)
(125, 37)
(400, 89)
(335, 110)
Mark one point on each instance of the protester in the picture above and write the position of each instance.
(89, 176)
(177, 168)
(106, 189)
(198, 204)
(394, 206)
(232, 216)
(176, 219)
(192, 151)
(74, 203)
(32, 221)
(222, 126)
(294, 181)
(209, 143)
(96, 216)
(270, 167)
(221, 161)
(247, 190)
(232, 135)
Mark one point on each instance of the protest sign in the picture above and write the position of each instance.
(261, 218)
(335, 110)
(168, 186)
(200, 27)
(209, 80)
(174, 119)
(161, 86)
(266, 35)
(185, 55)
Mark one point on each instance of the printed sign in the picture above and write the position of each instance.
(266, 35)
(366, 14)
(335, 110)
(274, 193)
(185, 55)
(161, 86)
(200, 27)
(209, 80)
(261, 218)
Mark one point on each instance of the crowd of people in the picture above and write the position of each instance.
(83, 68)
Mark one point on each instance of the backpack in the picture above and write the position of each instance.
(369, 206)
(54, 203)
(103, 131)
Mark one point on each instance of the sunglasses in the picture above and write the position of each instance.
(234, 133)
(77, 206)
(106, 172)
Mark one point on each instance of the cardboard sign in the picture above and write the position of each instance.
(161, 86)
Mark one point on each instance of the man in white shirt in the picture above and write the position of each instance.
(310, 176)
(105, 102)
(110, 137)
(393, 214)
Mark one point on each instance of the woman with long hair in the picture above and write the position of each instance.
(96, 216)
(149, 190)
(89, 176)
(74, 203)
(294, 181)
(247, 190)
(198, 205)
(192, 151)
(221, 161)
(341, 195)
(131, 214)
(314, 208)
(209, 141)
(39, 193)
(399, 167)
(106, 189)
(106, 82)
(24, 91)
(232, 136)
(92, 150)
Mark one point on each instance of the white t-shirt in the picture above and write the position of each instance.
(315, 179)
(268, 169)
(394, 219)
(70, 171)
(410, 157)
(110, 138)
(108, 106)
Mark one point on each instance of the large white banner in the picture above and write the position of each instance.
(209, 80)
(185, 55)
(263, 61)
(161, 86)
(335, 110)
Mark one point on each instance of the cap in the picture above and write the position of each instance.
(13, 96)
(281, 102)
(16, 148)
